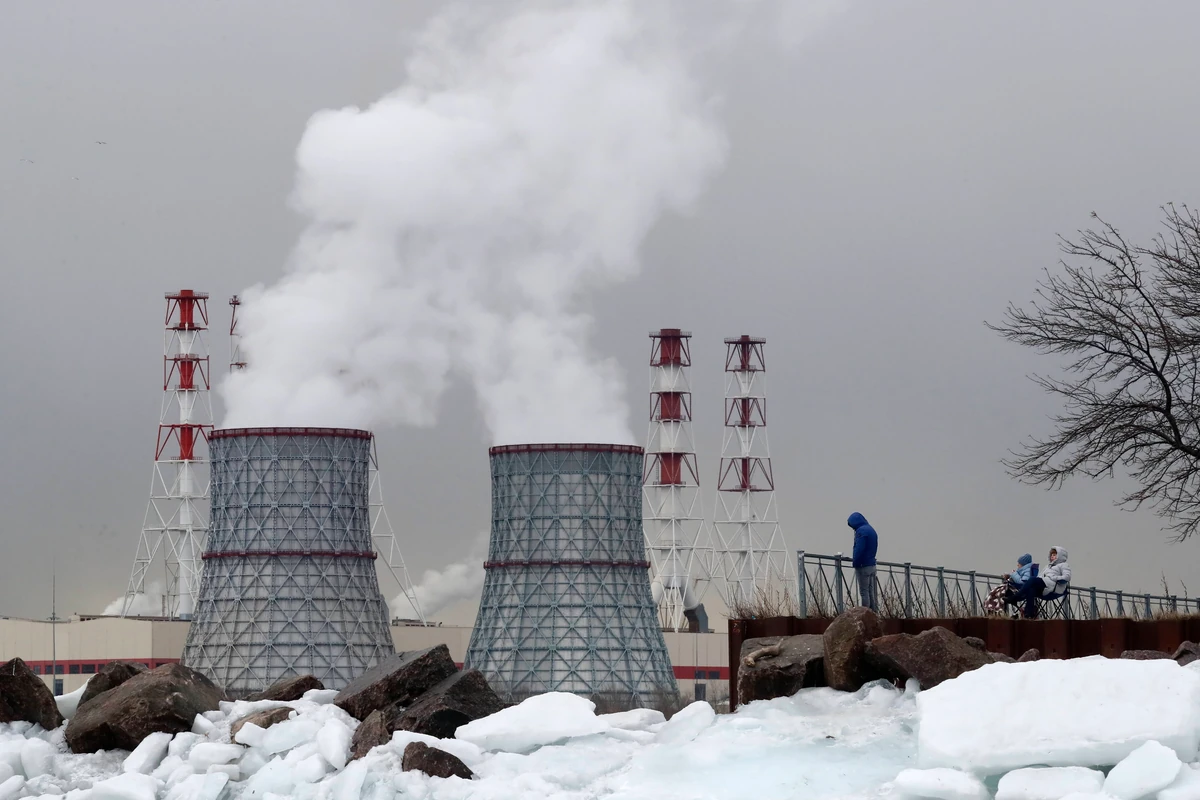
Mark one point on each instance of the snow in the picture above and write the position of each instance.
(130, 786)
(1049, 783)
(940, 783)
(1058, 713)
(1185, 787)
(146, 757)
(37, 758)
(12, 787)
(687, 724)
(207, 754)
(538, 721)
(1146, 771)
(199, 787)
(333, 743)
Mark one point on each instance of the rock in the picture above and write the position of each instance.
(1186, 653)
(976, 642)
(288, 689)
(845, 642)
(263, 719)
(782, 667)
(371, 733)
(463, 697)
(110, 676)
(165, 699)
(433, 762)
(24, 698)
(1002, 658)
(1032, 654)
(931, 657)
(1145, 655)
(400, 679)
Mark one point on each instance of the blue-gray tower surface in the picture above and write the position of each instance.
(566, 600)
(289, 584)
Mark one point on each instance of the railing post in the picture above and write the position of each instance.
(908, 590)
(801, 589)
(1148, 614)
(1120, 603)
(941, 592)
(1095, 611)
(973, 607)
(1174, 604)
(837, 581)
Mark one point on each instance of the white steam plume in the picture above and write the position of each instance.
(441, 588)
(147, 604)
(457, 224)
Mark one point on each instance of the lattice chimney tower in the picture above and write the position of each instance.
(236, 362)
(752, 551)
(176, 521)
(677, 537)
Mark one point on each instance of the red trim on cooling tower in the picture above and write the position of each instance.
(281, 553)
(238, 433)
(565, 448)
(565, 563)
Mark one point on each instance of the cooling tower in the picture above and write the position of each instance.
(289, 584)
(566, 600)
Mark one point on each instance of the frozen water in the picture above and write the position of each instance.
(6, 771)
(206, 754)
(202, 726)
(1049, 783)
(1186, 785)
(310, 769)
(130, 786)
(199, 787)
(276, 778)
(250, 735)
(687, 724)
(147, 755)
(320, 696)
(333, 743)
(183, 743)
(252, 761)
(12, 787)
(69, 703)
(1146, 771)
(540, 720)
(10, 754)
(1058, 713)
(37, 758)
(638, 719)
(231, 771)
(283, 736)
(940, 783)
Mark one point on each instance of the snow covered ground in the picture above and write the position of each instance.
(966, 739)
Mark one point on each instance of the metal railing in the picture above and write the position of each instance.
(828, 585)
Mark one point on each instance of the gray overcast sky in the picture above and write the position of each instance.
(892, 182)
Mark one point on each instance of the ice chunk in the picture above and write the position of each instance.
(250, 735)
(12, 788)
(687, 724)
(1146, 771)
(37, 758)
(6, 771)
(348, 784)
(130, 786)
(252, 761)
(333, 742)
(540, 720)
(320, 696)
(275, 778)
(989, 720)
(638, 719)
(168, 765)
(10, 753)
(232, 771)
(940, 783)
(200, 787)
(283, 736)
(202, 726)
(79, 794)
(310, 770)
(179, 774)
(1186, 785)
(148, 754)
(1049, 783)
(183, 743)
(68, 703)
(206, 754)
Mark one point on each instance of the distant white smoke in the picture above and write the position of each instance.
(441, 588)
(457, 225)
(148, 604)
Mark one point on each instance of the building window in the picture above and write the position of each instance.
(701, 691)
(74, 670)
(58, 669)
(699, 674)
(37, 669)
(713, 675)
(89, 669)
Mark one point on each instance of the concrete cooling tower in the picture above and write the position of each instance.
(566, 600)
(289, 584)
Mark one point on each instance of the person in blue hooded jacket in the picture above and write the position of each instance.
(866, 542)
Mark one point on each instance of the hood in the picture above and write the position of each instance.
(856, 520)
(1062, 554)
(1025, 560)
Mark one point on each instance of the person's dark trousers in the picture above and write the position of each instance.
(866, 587)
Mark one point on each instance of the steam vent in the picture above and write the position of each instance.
(289, 584)
(566, 600)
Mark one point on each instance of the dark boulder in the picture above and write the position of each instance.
(1186, 653)
(1145, 655)
(1002, 658)
(845, 642)
(976, 642)
(288, 689)
(435, 763)
(110, 676)
(400, 679)
(165, 699)
(263, 719)
(463, 697)
(1032, 654)
(931, 657)
(24, 698)
(371, 733)
(780, 667)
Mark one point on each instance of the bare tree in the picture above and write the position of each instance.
(1126, 318)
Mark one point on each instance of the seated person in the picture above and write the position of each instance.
(1055, 581)
(1014, 582)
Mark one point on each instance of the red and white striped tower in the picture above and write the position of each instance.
(752, 551)
(672, 510)
(176, 521)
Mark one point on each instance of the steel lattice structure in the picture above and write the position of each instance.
(289, 580)
(677, 537)
(566, 600)
(752, 551)
(176, 521)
